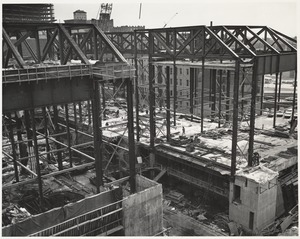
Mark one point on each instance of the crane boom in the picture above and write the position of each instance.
(170, 19)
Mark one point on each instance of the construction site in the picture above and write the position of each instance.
(178, 131)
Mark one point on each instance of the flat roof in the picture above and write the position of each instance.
(259, 174)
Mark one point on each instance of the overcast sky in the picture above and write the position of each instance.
(278, 14)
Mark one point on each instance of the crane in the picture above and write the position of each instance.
(170, 19)
(104, 13)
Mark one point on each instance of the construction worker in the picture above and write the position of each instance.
(255, 159)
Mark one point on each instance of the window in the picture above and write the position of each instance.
(180, 103)
(180, 80)
(187, 82)
(237, 194)
(171, 93)
(187, 103)
(187, 71)
(171, 81)
(180, 92)
(171, 71)
(180, 71)
(251, 220)
(188, 95)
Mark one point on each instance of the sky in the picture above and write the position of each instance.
(277, 14)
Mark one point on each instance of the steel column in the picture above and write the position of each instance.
(36, 152)
(275, 101)
(168, 120)
(151, 92)
(98, 144)
(294, 100)
(80, 112)
(103, 100)
(68, 134)
(137, 106)
(89, 112)
(228, 96)
(132, 156)
(192, 89)
(175, 91)
(214, 89)
(46, 133)
(220, 98)
(279, 92)
(58, 146)
(252, 113)
(75, 123)
(262, 88)
(235, 118)
(13, 147)
(202, 93)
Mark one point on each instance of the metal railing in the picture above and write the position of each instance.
(105, 72)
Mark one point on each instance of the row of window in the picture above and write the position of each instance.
(180, 71)
(180, 82)
(180, 93)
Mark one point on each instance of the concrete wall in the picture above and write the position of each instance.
(143, 212)
(239, 212)
(256, 198)
(266, 210)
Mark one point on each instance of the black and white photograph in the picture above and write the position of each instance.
(150, 118)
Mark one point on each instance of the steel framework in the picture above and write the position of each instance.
(259, 50)
(51, 92)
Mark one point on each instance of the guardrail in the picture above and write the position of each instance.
(105, 72)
